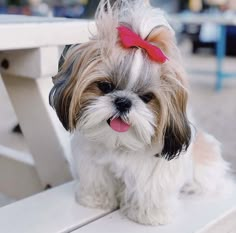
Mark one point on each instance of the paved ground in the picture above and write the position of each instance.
(213, 111)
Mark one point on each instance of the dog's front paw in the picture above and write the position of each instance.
(99, 201)
(149, 217)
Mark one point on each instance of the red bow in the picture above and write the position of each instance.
(130, 39)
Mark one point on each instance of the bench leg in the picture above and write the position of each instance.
(40, 128)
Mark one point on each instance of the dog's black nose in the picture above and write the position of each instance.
(123, 104)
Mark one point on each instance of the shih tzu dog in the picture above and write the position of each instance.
(124, 96)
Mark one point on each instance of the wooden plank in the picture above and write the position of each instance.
(32, 34)
(41, 128)
(18, 176)
(224, 224)
(194, 214)
(52, 211)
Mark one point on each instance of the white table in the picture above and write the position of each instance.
(220, 19)
(28, 58)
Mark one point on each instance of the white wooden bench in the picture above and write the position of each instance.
(51, 211)
(55, 211)
(28, 59)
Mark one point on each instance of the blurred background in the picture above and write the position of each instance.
(214, 111)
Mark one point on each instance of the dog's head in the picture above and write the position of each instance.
(119, 95)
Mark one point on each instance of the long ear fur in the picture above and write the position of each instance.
(177, 134)
(173, 96)
(61, 94)
(73, 78)
(177, 130)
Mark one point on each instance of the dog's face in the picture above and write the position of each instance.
(119, 97)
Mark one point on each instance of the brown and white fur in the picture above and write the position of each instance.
(143, 170)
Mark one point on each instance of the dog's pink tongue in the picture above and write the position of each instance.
(118, 125)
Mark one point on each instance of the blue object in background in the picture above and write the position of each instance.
(3, 10)
(221, 46)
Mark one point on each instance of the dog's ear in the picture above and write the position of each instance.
(174, 125)
(64, 81)
(176, 130)
(76, 73)
(163, 37)
(177, 136)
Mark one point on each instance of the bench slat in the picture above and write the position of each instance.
(52, 211)
(33, 33)
(194, 217)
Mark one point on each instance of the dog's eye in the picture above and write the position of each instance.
(105, 87)
(147, 97)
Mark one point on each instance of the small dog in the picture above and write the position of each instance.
(124, 96)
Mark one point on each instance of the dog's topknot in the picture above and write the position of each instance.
(138, 15)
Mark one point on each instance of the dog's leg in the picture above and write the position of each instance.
(95, 187)
(151, 191)
(210, 171)
(150, 214)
